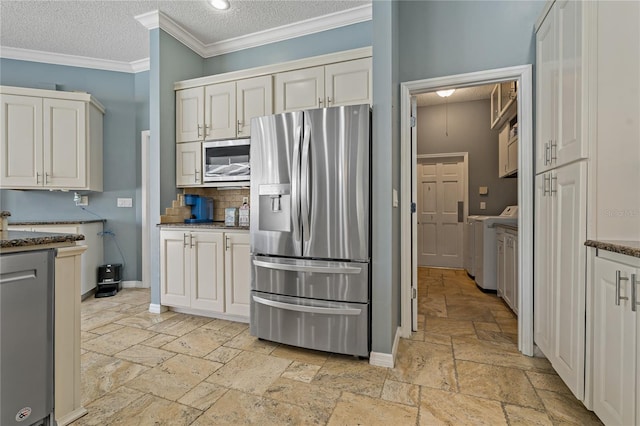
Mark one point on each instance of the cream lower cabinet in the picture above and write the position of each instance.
(342, 83)
(206, 271)
(188, 164)
(559, 271)
(616, 336)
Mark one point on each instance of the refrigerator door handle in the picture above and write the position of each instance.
(295, 185)
(307, 309)
(304, 184)
(305, 268)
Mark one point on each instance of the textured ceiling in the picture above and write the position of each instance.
(464, 94)
(108, 30)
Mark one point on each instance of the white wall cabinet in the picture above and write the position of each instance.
(507, 152)
(50, 140)
(559, 282)
(222, 110)
(205, 271)
(616, 335)
(560, 60)
(343, 83)
(188, 164)
(503, 103)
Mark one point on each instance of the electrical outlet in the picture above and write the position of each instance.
(84, 200)
(125, 202)
(245, 200)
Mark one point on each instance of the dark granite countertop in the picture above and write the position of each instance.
(209, 225)
(11, 239)
(630, 248)
(56, 222)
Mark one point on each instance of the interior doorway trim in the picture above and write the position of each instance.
(145, 138)
(523, 75)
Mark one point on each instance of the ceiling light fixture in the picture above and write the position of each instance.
(220, 4)
(445, 93)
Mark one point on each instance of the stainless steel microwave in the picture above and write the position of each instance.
(225, 161)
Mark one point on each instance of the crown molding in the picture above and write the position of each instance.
(72, 60)
(286, 32)
(156, 19)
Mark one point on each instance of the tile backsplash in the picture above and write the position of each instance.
(222, 198)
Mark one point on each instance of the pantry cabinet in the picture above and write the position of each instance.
(616, 336)
(560, 60)
(50, 140)
(222, 110)
(205, 271)
(559, 279)
(343, 83)
(188, 164)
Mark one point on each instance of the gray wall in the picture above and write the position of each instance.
(115, 90)
(469, 131)
(385, 298)
(330, 41)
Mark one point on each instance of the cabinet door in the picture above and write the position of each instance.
(254, 99)
(615, 356)
(512, 155)
(175, 289)
(500, 264)
(299, 89)
(237, 274)
(220, 111)
(189, 164)
(509, 272)
(543, 254)
(21, 142)
(495, 105)
(568, 144)
(207, 271)
(503, 151)
(64, 143)
(190, 115)
(348, 83)
(568, 191)
(546, 90)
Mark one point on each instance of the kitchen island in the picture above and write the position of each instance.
(66, 312)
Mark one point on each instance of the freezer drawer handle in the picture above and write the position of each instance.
(307, 309)
(12, 277)
(304, 268)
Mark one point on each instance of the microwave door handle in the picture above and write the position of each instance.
(295, 184)
(304, 185)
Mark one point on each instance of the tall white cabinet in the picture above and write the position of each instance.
(50, 140)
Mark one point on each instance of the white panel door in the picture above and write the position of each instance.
(254, 99)
(175, 288)
(21, 142)
(64, 143)
(568, 191)
(543, 254)
(546, 90)
(188, 164)
(615, 339)
(190, 115)
(441, 187)
(299, 89)
(237, 277)
(348, 83)
(207, 271)
(220, 111)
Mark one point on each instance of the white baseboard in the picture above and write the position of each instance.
(71, 416)
(132, 284)
(382, 359)
(154, 308)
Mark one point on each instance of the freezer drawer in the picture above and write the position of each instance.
(317, 279)
(313, 324)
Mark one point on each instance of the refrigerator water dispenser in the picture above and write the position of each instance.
(275, 207)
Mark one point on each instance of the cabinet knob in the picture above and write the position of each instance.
(184, 240)
(191, 240)
(320, 101)
(199, 130)
(37, 178)
(195, 176)
(46, 178)
(226, 243)
(239, 126)
(329, 100)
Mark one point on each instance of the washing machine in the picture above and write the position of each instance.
(485, 246)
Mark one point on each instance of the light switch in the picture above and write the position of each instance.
(483, 190)
(125, 202)
(483, 205)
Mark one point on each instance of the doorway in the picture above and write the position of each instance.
(523, 76)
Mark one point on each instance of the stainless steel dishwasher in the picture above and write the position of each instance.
(26, 338)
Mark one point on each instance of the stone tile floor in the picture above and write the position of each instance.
(461, 367)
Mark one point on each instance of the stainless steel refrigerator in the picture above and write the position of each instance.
(310, 228)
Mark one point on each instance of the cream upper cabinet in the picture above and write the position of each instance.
(189, 164)
(190, 115)
(50, 142)
(343, 83)
(222, 110)
(616, 335)
(237, 273)
(507, 151)
(560, 83)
